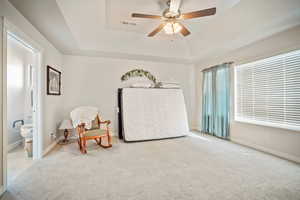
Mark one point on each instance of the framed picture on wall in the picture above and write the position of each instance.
(53, 81)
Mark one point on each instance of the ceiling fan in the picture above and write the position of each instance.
(172, 16)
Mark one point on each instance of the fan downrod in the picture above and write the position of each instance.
(168, 14)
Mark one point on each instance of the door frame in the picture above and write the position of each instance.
(12, 30)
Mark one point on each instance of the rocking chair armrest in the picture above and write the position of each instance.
(105, 122)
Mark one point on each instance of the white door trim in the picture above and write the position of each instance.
(10, 29)
(4, 116)
(3, 156)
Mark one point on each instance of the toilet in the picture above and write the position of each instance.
(27, 133)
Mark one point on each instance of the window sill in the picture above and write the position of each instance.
(267, 124)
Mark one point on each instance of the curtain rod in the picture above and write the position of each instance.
(214, 66)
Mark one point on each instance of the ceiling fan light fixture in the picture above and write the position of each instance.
(172, 17)
(172, 28)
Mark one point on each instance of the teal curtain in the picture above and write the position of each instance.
(216, 101)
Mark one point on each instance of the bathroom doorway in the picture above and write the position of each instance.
(20, 106)
(21, 103)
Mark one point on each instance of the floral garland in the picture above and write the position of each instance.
(139, 73)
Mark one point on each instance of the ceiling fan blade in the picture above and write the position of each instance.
(158, 29)
(184, 31)
(138, 15)
(174, 5)
(199, 13)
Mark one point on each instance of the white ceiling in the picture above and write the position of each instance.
(94, 28)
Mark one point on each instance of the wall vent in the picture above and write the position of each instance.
(128, 23)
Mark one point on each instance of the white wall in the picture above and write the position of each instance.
(1, 110)
(279, 142)
(18, 107)
(94, 81)
(51, 105)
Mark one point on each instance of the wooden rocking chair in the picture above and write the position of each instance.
(96, 133)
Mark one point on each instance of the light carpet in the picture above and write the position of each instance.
(17, 162)
(191, 168)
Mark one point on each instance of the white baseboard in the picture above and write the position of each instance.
(264, 149)
(196, 128)
(49, 148)
(14, 145)
(267, 150)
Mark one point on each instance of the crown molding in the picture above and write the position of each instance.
(126, 56)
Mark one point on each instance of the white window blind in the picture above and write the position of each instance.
(267, 92)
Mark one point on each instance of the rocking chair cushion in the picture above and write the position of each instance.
(95, 124)
(95, 132)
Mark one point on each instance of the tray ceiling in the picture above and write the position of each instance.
(105, 28)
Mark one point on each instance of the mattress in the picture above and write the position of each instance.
(150, 114)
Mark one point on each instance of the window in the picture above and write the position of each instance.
(267, 92)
